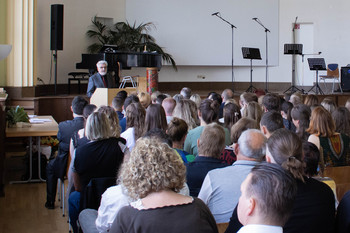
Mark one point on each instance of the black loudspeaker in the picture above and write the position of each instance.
(345, 78)
(56, 27)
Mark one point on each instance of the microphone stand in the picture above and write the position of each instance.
(267, 57)
(232, 27)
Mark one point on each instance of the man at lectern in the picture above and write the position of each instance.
(100, 79)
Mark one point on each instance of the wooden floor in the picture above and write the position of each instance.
(22, 210)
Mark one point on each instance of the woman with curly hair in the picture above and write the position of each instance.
(135, 124)
(152, 176)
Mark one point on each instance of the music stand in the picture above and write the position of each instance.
(317, 64)
(252, 54)
(293, 49)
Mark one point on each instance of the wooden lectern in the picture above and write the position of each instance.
(104, 96)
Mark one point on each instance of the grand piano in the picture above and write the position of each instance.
(126, 60)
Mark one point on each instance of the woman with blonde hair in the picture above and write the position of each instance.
(101, 157)
(135, 124)
(253, 110)
(184, 111)
(152, 177)
(311, 100)
(334, 147)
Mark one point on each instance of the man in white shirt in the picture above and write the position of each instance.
(267, 199)
(221, 187)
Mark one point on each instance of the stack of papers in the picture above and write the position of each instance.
(38, 120)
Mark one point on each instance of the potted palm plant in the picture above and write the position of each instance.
(126, 37)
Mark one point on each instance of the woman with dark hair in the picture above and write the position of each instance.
(231, 115)
(314, 206)
(177, 131)
(301, 118)
(155, 118)
(341, 117)
(286, 108)
(152, 177)
(208, 113)
(311, 156)
(135, 124)
(334, 146)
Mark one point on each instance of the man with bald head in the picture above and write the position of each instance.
(221, 187)
(169, 105)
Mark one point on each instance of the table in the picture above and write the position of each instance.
(36, 130)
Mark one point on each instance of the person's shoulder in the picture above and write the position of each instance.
(318, 187)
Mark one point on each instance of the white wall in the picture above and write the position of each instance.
(77, 19)
(330, 19)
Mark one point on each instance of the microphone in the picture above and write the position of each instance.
(254, 18)
(216, 13)
(319, 53)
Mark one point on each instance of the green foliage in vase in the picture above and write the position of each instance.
(15, 115)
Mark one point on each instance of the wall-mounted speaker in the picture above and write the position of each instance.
(345, 78)
(56, 27)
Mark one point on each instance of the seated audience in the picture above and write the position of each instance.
(196, 99)
(221, 187)
(253, 110)
(160, 98)
(335, 146)
(57, 167)
(145, 99)
(178, 97)
(342, 221)
(231, 115)
(286, 108)
(237, 129)
(186, 92)
(155, 118)
(130, 99)
(158, 208)
(329, 104)
(183, 110)
(311, 100)
(135, 124)
(314, 206)
(117, 104)
(267, 199)
(207, 113)
(210, 145)
(99, 158)
(296, 98)
(177, 130)
(341, 117)
(169, 105)
(311, 156)
(301, 119)
(270, 122)
(271, 102)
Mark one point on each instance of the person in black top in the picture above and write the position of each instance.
(56, 168)
(101, 157)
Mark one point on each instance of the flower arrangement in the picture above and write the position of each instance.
(50, 141)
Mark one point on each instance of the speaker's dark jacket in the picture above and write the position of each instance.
(95, 81)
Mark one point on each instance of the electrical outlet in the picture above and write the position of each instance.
(201, 76)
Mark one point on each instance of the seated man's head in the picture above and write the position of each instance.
(270, 122)
(271, 102)
(78, 105)
(251, 146)
(268, 195)
(212, 141)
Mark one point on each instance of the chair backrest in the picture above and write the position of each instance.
(94, 190)
(333, 70)
(341, 176)
(222, 227)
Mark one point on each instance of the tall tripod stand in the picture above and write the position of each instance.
(317, 64)
(293, 49)
(252, 54)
